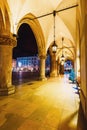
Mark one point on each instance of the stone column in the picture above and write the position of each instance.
(6, 46)
(83, 57)
(58, 67)
(42, 68)
(53, 71)
(61, 69)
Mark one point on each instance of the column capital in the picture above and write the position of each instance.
(7, 40)
(42, 56)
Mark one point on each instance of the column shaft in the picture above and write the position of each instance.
(6, 47)
(53, 72)
(42, 68)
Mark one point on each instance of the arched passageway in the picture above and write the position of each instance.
(21, 12)
(26, 55)
(68, 65)
(26, 42)
(74, 31)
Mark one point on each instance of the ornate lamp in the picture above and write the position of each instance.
(54, 46)
(62, 57)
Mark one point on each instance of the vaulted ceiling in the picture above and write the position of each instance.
(65, 24)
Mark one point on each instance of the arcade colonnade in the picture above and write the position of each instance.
(8, 42)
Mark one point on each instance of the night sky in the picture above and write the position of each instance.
(26, 43)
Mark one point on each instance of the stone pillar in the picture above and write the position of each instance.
(61, 69)
(42, 68)
(53, 69)
(58, 67)
(83, 57)
(6, 46)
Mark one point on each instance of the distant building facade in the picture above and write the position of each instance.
(26, 64)
(30, 63)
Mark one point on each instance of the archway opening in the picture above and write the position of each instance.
(69, 71)
(68, 65)
(47, 64)
(25, 56)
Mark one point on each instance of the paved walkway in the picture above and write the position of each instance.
(48, 105)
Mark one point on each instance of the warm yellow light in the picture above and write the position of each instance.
(62, 62)
(54, 48)
(78, 67)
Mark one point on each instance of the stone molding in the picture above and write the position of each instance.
(42, 56)
(6, 40)
(7, 91)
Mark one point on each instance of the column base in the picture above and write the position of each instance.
(53, 75)
(42, 78)
(7, 91)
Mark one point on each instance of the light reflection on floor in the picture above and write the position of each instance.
(47, 105)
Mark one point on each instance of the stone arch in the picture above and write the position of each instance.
(4, 20)
(36, 28)
(1, 22)
(73, 56)
(7, 22)
(69, 58)
(72, 51)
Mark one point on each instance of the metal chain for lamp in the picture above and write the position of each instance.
(62, 57)
(54, 14)
(54, 46)
(62, 46)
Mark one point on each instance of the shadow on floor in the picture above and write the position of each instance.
(68, 124)
(82, 123)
